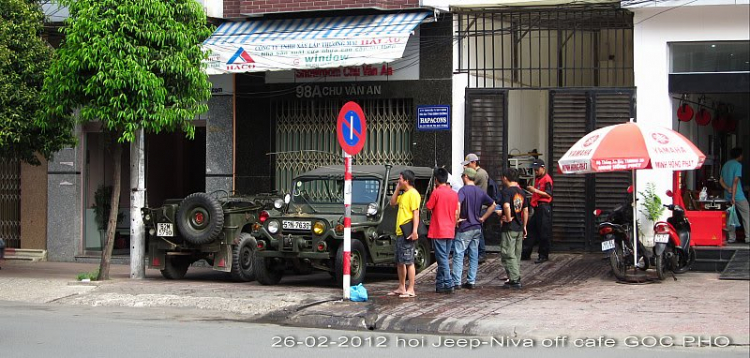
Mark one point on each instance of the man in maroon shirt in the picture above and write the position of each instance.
(443, 203)
(540, 225)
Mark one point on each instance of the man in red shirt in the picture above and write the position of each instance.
(443, 203)
(540, 225)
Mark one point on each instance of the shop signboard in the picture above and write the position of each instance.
(434, 118)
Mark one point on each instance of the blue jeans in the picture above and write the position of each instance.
(443, 277)
(468, 240)
(481, 244)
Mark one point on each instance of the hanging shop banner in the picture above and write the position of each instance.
(309, 43)
(405, 68)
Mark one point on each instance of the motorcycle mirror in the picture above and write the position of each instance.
(670, 193)
(597, 212)
(630, 189)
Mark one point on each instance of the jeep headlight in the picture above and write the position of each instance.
(372, 209)
(319, 228)
(278, 203)
(273, 226)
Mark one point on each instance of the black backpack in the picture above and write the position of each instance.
(493, 190)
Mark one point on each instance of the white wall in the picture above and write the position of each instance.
(214, 8)
(527, 121)
(654, 29)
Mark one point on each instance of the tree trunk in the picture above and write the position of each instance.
(137, 201)
(114, 206)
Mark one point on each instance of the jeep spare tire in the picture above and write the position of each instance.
(200, 218)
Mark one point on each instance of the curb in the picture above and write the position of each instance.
(502, 331)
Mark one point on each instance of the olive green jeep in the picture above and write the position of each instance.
(216, 227)
(310, 227)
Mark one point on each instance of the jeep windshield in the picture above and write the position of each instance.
(327, 194)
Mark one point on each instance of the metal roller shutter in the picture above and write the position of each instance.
(568, 122)
(611, 188)
(573, 113)
(10, 202)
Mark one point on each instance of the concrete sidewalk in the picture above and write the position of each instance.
(572, 295)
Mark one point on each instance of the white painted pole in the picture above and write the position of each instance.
(347, 223)
(635, 224)
(137, 201)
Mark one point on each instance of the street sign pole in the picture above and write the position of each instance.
(351, 130)
(347, 223)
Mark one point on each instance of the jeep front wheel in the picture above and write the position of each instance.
(242, 258)
(175, 267)
(266, 272)
(358, 267)
(422, 255)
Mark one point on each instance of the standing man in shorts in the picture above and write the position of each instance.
(408, 211)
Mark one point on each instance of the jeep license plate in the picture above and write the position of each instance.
(608, 245)
(296, 225)
(164, 229)
(661, 238)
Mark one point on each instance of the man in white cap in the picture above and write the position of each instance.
(482, 179)
(472, 161)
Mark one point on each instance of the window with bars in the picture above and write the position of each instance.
(546, 48)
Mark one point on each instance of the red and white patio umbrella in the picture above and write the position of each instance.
(631, 146)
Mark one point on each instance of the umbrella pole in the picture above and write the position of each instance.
(635, 224)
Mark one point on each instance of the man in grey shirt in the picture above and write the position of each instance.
(472, 161)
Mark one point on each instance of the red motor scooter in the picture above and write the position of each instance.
(673, 248)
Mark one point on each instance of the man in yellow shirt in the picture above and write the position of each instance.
(408, 210)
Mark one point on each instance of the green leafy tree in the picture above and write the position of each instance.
(129, 64)
(24, 57)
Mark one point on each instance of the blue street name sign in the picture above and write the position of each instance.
(433, 118)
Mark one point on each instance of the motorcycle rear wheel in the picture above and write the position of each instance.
(617, 262)
(660, 266)
(684, 263)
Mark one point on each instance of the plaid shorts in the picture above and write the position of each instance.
(405, 251)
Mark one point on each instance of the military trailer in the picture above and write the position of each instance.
(309, 229)
(216, 227)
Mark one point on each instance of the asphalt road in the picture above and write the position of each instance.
(29, 330)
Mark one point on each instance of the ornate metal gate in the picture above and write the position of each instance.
(10, 202)
(306, 135)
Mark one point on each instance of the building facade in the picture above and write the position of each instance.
(266, 125)
(694, 54)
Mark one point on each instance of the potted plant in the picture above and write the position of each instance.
(101, 206)
(652, 209)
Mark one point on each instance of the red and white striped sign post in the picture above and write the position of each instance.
(351, 131)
